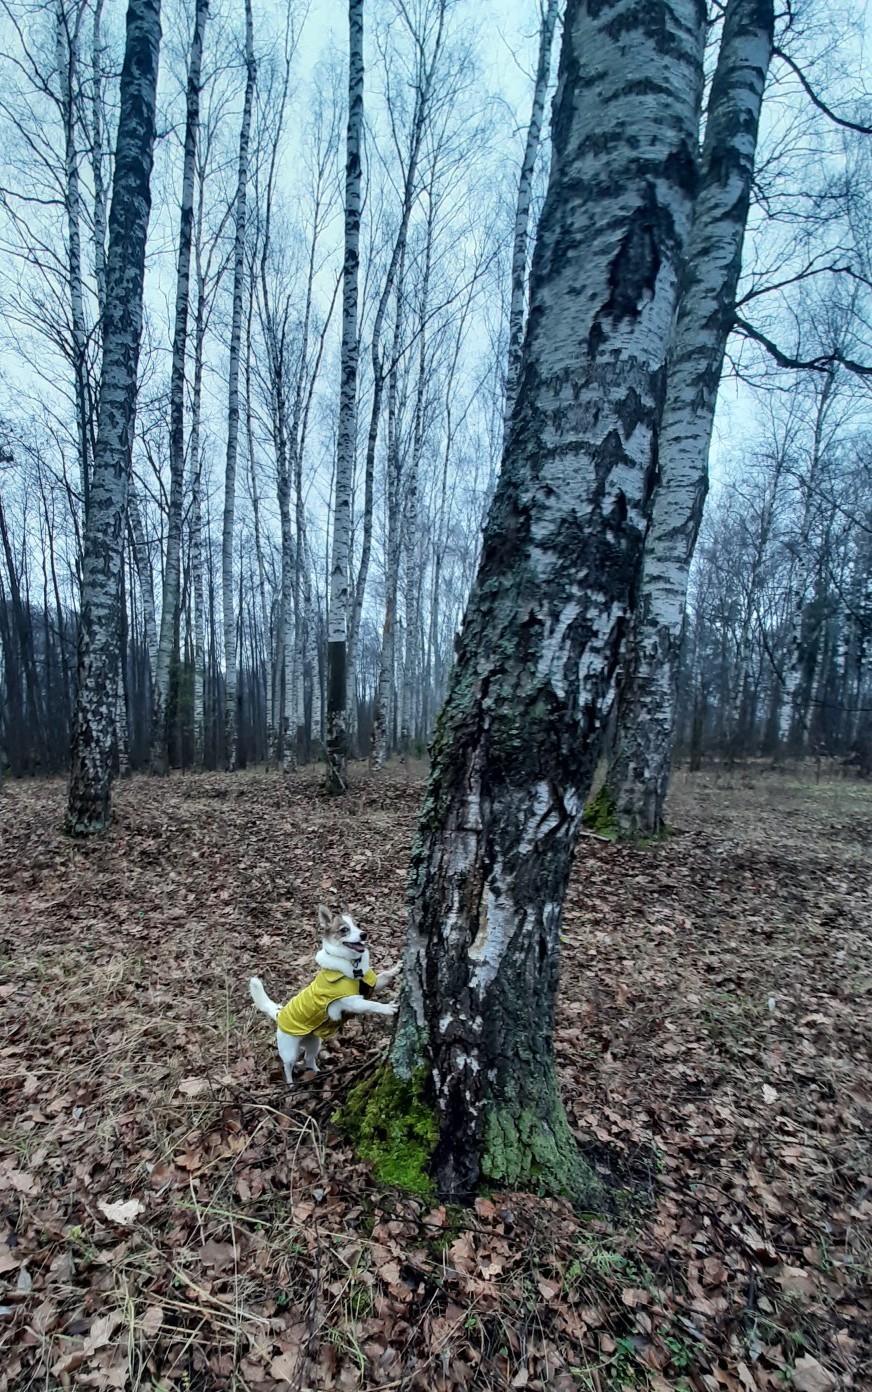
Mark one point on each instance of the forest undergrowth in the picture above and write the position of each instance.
(172, 1218)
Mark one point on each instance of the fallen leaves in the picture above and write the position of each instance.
(170, 1214)
(193, 1087)
(124, 1212)
(810, 1376)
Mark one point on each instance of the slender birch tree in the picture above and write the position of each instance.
(98, 155)
(804, 564)
(412, 579)
(521, 239)
(337, 619)
(426, 31)
(240, 207)
(170, 596)
(638, 775)
(90, 806)
(393, 541)
(67, 56)
(519, 735)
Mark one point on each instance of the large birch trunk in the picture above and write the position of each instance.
(337, 615)
(521, 239)
(170, 596)
(233, 404)
(90, 808)
(518, 738)
(638, 774)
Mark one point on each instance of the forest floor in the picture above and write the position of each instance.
(171, 1218)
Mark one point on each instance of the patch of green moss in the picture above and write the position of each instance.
(389, 1121)
(521, 1150)
(599, 815)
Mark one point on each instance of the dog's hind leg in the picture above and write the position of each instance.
(289, 1051)
(312, 1046)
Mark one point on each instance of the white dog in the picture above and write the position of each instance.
(342, 987)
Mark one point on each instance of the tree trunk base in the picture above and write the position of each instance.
(390, 1122)
(524, 1151)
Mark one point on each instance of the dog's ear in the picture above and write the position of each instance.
(325, 918)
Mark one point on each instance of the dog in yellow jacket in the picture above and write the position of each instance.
(344, 986)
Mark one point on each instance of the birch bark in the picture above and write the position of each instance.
(265, 617)
(519, 735)
(412, 579)
(66, 49)
(337, 618)
(97, 156)
(170, 594)
(638, 774)
(142, 560)
(196, 522)
(393, 545)
(233, 403)
(521, 239)
(89, 807)
(790, 715)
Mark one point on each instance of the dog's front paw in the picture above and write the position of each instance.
(391, 1009)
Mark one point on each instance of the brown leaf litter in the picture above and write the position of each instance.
(173, 1219)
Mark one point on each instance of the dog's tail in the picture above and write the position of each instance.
(261, 999)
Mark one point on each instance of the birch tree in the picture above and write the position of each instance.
(89, 806)
(67, 49)
(411, 528)
(791, 719)
(170, 598)
(519, 735)
(639, 765)
(337, 620)
(521, 238)
(240, 207)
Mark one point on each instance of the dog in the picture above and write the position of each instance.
(344, 986)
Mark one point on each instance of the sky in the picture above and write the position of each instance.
(505, 35)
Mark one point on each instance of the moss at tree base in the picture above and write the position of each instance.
(522, 1151)
(600, 815)
(389, 1122)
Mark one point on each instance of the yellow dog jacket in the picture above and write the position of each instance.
(306, 1012)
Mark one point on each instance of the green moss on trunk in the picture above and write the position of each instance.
(389, 1121)
(600, 815)
(523, 1151)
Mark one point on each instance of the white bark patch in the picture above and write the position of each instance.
(552, 659)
